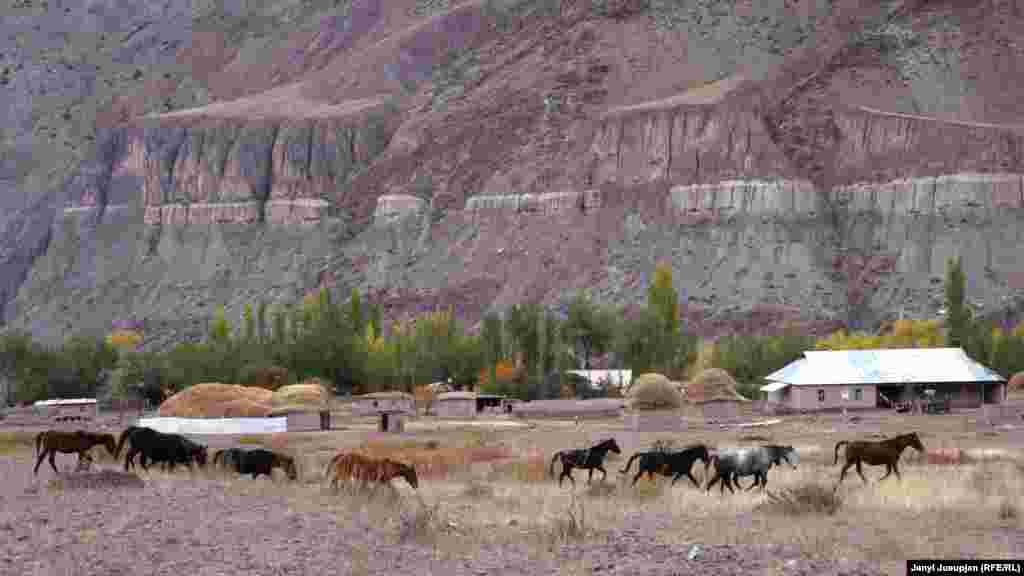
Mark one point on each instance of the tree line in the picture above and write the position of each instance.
(525, 353)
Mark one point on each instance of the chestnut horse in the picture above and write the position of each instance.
(78, 442)
(876, 453)
(363, 469)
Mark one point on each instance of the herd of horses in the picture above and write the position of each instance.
(729, 464)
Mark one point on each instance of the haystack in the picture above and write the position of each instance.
(711, 385)
(215, 400)
(654, 392)
(309, 396)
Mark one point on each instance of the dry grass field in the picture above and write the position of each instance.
(484, 486)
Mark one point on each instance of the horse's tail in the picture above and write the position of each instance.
(629, 463)
(121, 440)
(330, 466)
(551, 468)
(838, 444)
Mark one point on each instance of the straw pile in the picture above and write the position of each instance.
(654, 392)
(215, 400)
(713, 384)
(309, 395)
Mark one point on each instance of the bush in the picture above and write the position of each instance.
(654, 392)
(266, 377)
(804, 499)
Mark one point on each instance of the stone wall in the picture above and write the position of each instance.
(549, 203)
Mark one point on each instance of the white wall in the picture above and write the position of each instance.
(216, 425)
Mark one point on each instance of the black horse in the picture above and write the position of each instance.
(260, 461)
(170, 449)
(730, 465)
(675, 464)
(229, 457)
(586, 458)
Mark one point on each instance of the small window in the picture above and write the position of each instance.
(856, 394)
(821, 395)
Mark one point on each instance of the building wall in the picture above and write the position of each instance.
(299, 421)
(371, 406)
(720, 409)
(807, 397)
(80, 410)
(456, 408)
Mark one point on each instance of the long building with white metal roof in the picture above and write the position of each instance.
(830, 379)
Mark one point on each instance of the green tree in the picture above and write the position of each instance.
(638, 340)
(663, 299)
(356, 310)
(261, 321)
(491, 342)
(589, 328)
(958, 315)
(249, 330)
(220, 327)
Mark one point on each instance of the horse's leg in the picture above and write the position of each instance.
(604, 473)
(53, 464)
(896, 468)
(42, 456)
(692, 479)
(888, 471)
(590, 475)
(757, 480)
(843, 473)
(861, 472)
(637, 477)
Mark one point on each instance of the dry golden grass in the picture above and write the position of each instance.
(16, 441)
(494, 486)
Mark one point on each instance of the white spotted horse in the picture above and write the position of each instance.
(586, 458)
(731, 464)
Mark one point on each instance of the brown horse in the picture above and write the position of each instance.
(363, 469)
(80, 442)
(884, 452)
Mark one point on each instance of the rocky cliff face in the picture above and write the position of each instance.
(527, 158)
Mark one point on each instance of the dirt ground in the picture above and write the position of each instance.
(485, 505)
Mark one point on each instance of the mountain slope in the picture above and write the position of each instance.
(810, 159)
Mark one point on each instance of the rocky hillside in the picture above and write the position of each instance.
(809, 160)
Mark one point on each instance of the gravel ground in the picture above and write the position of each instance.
(196, 526)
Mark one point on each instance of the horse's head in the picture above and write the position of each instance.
(612, 445)
(913, 441)
(288, 463)
(110, 443)
(788, 453)
(409, 473)
(198, 453)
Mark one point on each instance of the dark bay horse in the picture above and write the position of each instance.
(586, 458)
(732, 464)
(260, 461)
(228, 457)
(80, 442)
(876, 453)
(170, 449)
(365, 470)
(676, 464)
